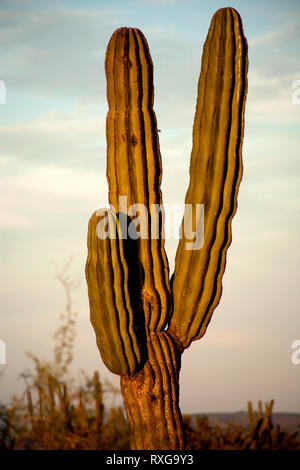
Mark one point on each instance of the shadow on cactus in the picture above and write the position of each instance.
(142, 320)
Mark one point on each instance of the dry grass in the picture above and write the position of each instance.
(56, 412)
(259, 435)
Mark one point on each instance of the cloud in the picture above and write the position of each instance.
(284, 34)
(273, 66)
(270, 98)
(54, 52)
(10, 219)
(74, 136)
(49, 192)
(60, 53)
(155, 3)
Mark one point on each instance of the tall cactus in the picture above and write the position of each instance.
(142, 321)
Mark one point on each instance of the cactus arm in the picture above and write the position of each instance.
(215, 175)
(111, 311)
(134, 161)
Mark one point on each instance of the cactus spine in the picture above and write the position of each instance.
(141, 325)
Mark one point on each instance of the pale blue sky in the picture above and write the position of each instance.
(52, 177)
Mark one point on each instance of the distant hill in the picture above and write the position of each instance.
(287, 421)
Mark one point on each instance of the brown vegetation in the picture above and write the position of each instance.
(57, 412)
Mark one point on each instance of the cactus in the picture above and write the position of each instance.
(143, 322)
(258, 421)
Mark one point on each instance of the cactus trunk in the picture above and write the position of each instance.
(143, 322)
(151, 397)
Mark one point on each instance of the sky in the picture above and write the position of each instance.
(52, 178)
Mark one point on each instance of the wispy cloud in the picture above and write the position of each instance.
(274, 65)
(47, 191)
(53, 51)
(75, 137)
(281, 35)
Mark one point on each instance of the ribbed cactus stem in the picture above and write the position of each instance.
(250, 416)
(134, 161)
(215, 174)
(98, 397)
(115, 323)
